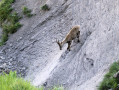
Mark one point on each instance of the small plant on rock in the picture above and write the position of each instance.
(45, 7)
(27, 12)
(12, 82)
(109, 82)
(9, 20)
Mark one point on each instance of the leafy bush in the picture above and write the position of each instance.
(109, 82)
(12, 28)
(13, 18)
(45, 7)
(5, 9)
(9, 20)
(4, 38)
(27, 12)
(12, 82)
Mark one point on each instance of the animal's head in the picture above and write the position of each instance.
(59, 44)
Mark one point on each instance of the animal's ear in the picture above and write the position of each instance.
(57, 41)
(59, 44)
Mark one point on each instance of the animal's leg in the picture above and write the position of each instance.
(78, 39)
(69, 45)
(78, 36)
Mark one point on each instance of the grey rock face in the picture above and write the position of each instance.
(33, 50)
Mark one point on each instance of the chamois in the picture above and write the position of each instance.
(74, 33)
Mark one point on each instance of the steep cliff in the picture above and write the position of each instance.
(33, 50)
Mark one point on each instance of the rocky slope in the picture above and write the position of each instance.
(33, 51)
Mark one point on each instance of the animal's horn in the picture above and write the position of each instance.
(59, 44)
(57, 41)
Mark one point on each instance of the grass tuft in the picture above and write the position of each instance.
(9, 20)
(109, 82)
(12, 82)
(45, 7)
(27, 12)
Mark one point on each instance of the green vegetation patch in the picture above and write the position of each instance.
(45, 7)
(58, 88)
(109, 82)
(12, 82)
(9, 20)
(26, 11)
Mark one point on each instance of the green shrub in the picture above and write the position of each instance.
(109, 82)
(9, 20)
(12, 28)
(12, 82)
(45, 7)
(4, 38)
(27, 12)
(5, 9)
(13, 18)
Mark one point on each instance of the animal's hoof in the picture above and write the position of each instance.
(60, 48)
(68, 49)
(78, 41)
(45, 84)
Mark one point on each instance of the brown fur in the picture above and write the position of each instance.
(74, 33)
